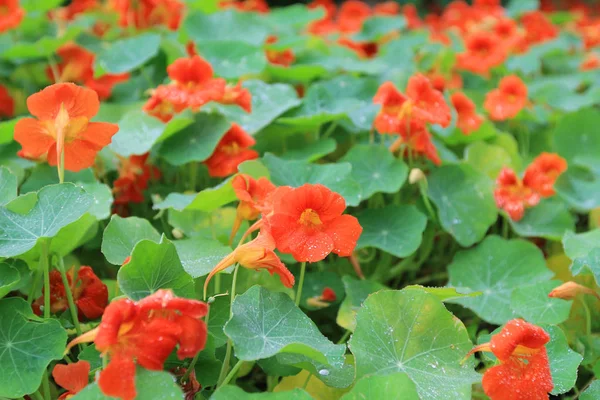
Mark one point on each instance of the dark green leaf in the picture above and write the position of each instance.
(584, 250)
(564, 362)
(550, 219)
(356, 293)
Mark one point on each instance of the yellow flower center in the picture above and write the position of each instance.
(310, 218)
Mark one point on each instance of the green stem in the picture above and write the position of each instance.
(307, 380)
(34, 285)
(69, 292)
(193, 176)
(192, 365)
(36, 395)
(46, 270)
(505, 231)
(300, 283)
(329, 130)
(232, 373)
(46, 385)
(226, 360)
(344, 337)
(588, 320)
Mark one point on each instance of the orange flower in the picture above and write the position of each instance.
(352, 15)
(307, 222)
(11, 14)
(75, 7)
(232, 150)
(322, 301)
(542, 173)
(239, 96)
(145, 333)
(252, 194)
(512, 195)
(538, 29)
(284, 58)
(468, 119)
(570, 290)
(386, 8)
(134, 174)
(409, 11)
(362, 49)
(72, 377)
(508, 100)
(89, 293)
(444, 81)
(63, 127)
(7, 104)
(260, 6)
(524, 369)
(484, 51)
(417, 141)
(590, 62)
(144, 14)
(325, 25)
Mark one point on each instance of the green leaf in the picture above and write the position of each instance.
(376, 169)
(584, 250)
(7, 129)
(465, 202)
(496, 267)
(580, 186)
(39, 5)
(8, 186)
(233, 59)
(43, 175)
(176, 201)
(137, 134)
(122, 234)
(265, 323)
(149, 385)
(576, 136)
(219, 315)
(300, 73)
(27, 345)
(42, 47)
(310, 152)
(207, 200)
(293, 18)
(592, 392)
(376, 28)
(488, 158)
(564, 362)
(230, 392)
(9, 278)
(314, 284)
(103, 199)
(154, 266)
(444, 293)
(454, 136)
(334, 377)
(550, 219)
(226, 25)
(125, 55)
(397, 230)
(56, 207)
(200, 255)
(533, 304)
(411, 331)
(197, 141)
(356, 293)
(336, 177)
(518, 7)
(269, 101)
(383, 387)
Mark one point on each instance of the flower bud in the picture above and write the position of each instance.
(570, 290)
(416, 175)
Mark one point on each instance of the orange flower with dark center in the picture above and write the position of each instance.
(134, 174)
(508, 100)
(144, 14)
(307, 222)
(468, 119)
(72, 377)
(232, 150)
(542, 173)
(260, 6)
(524, 369)
(444, 81)
(284, 57)
(63, 128)
(512, 195)
(7, 104)
(145, 333)
(256, 254)
(252, 194)
(89, 293)
(590, 62)
(11, 14)
(508, 32)
(351, 16)
(483, 51)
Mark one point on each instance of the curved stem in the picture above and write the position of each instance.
(46, 270)
(232, 373)
(227, 358)
(69, 292)
(300, 283)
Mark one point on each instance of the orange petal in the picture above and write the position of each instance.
(118, 378)
(79, 154)
(78, 101)
(73, 377)
(99, 133)
(34, 137)
(87, 337)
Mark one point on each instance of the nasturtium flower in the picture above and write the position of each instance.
(538, 29)
(386, 8)
(236, 94)
(256, 254)
(324, 299)
(483, 51)
(570, 290)
(508, 32)
(351, 16)
(134, 175)
(231, 151)
(590, 62)
(63, 128)
(143, 14)
(260, 6)
(11, 14)
(307, 222)
(145, 333)
(507, 100)
(252, 194)
(7, 103)
(468, 119)
(72, 377)
(73, 9)
(90, 294)
(416, 140)
(284, 57)
(523, 372)
(542, 173)
(512, 195)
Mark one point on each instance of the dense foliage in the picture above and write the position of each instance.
(214, 199)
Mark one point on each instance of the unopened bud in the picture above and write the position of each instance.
(416, 175)
(177, 233)
(570, 290)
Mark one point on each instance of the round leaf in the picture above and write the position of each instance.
(122, 234)
(127, 54)
(137, 134)
(563, 361)
(233, 392)
(533, 304)
(592, 392)
(8, 186)
(550, 219)
(233, 59)
(200, 255)
(356, 293)
(383, 387)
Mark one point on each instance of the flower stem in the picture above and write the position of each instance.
(227, 358)
(46, 270)
(193, 176)
(36, 395)
(232, 373)
(300, 283)
(192, 365)
(344, 337)
(46, 386)
(69, 292)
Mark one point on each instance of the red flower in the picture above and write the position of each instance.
(144, 14)
(307, 222)
(524, 369)
(89, 293)
(328, 295)
(134, 174)
(7, 104)
(322, 301)
(484, 51)
(538, 28)
(417, 140)
(352, 15)
(508, 100)
(260, 6)
(386, 8)
(63, 126)
(232, 150)
(239, 96)
(590, 62)
(11, 14)
(468, 119)
(145, 333)
(284, 58)
(75, 7)
(256, 254)
(508, 31)
(542, 173)
(72, 377)
(409, 11)
(252, 194)
(512, 195)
